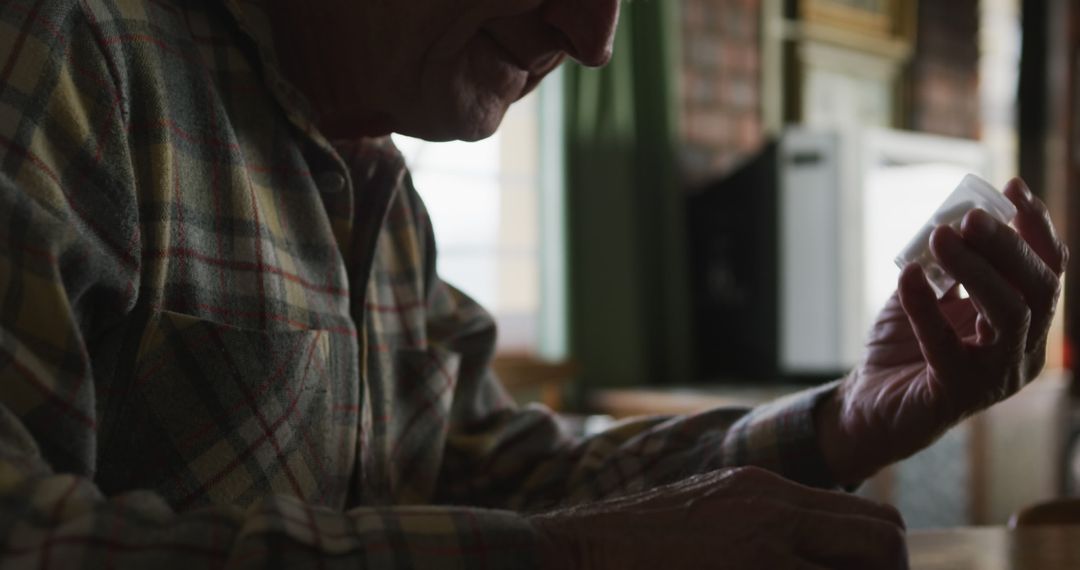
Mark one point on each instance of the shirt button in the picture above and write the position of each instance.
(330, 182)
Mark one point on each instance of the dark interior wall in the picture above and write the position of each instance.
(1049, 131)
(1064, 16)
(945, 69)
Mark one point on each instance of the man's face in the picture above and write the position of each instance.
(435, 69)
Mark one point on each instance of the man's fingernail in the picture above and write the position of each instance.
(946, 238)
(979, 223)
(1024, 188)
(914, 275)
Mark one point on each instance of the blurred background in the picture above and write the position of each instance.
(712, 218)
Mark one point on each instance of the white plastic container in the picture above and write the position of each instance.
(973, 192)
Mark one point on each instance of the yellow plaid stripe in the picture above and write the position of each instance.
(208, 357)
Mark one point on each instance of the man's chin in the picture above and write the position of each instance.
(442, 127)
(478, 130)
(471, 126)
(468, 102)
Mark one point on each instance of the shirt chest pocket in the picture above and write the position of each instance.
(411, 396)
(215, 414)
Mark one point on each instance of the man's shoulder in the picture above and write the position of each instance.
(64, 28)
(113, 22)
(56, 15)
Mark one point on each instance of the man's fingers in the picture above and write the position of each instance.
(1001, 304)
(755, 482)
(844, 541)
(1018, 262)
(761, 482)
(940, 345)
(1033, 223)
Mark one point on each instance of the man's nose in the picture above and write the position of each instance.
(588, 27)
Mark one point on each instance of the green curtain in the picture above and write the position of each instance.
(626, 238)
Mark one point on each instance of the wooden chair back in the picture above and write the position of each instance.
(1058, 512)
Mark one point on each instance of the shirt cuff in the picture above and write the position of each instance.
(420, 537)
(782, 437)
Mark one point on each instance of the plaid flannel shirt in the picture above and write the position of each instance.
(223, 341)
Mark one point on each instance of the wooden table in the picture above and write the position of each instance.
(996, 548)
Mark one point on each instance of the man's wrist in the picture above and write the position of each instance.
(838, 446)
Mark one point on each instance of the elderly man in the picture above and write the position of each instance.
(223, 340)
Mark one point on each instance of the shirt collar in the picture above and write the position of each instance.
(253, 19)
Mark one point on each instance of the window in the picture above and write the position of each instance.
(496, 208)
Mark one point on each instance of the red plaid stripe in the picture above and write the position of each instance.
(205, 360)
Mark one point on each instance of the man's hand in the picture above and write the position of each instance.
(734, 518)
(929, 364)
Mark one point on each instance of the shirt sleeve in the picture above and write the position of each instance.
(69, 268)
(62, 520)
(505, 456)
(522, 458)
(52, 514)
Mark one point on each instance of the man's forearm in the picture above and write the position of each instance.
(138, 530)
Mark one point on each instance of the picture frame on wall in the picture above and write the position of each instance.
(816, 49)
(886, 19)
(843, 61)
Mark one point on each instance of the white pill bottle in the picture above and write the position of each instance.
(973, 192)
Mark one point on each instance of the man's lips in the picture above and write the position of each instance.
(532, 64)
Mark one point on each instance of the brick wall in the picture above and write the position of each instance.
(721, 76)
(721, 79)
(945, 78)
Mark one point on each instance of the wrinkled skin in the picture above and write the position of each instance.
(440, 69)
(729, 519)
(930, 364)
(451, 70)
